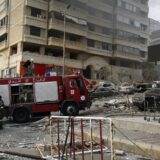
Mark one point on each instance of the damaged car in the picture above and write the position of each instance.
(126, 88)
(103, 92)
(139, 98)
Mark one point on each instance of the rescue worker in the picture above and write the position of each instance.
(29, 68)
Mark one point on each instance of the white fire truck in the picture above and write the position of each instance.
(31, 96)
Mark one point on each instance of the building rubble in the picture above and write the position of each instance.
(26, 136)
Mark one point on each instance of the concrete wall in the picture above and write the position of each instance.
(16, 21)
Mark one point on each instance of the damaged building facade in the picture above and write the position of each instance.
(105, 39)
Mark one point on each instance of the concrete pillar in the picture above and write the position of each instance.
(42, 50)
(20, 48)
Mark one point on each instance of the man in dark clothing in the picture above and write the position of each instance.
(28, 68)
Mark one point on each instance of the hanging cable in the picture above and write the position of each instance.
(150, 156)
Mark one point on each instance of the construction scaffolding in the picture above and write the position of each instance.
(78, 138)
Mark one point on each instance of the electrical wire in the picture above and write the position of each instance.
(150, 156)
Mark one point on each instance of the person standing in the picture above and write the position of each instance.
(29, 68)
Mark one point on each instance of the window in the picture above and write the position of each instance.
(106, 31)
(91, 27)
(4, 21)
(105, 46)
(127, 49)
(22, 93)
(143, 54)
(35, 31)
(73, 55)
(107, 16)
(35, 12)
(137, 24)
(3, 37)
(73, 37)
(143, 27)
(123, 19)
(55, 33)
(90, 43)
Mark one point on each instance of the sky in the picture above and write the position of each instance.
(154, 9)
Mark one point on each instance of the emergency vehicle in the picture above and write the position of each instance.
(29, 96)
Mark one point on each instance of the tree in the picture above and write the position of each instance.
(149, 71)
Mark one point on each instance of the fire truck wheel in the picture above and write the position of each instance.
(21, 115)
(70, 108)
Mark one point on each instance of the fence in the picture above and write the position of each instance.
(78, 138)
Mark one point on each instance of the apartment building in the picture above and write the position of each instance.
(105, 39)
(154, 25)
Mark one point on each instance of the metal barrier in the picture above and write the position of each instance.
(150, 105)
(78, 138)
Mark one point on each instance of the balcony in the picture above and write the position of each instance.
(3, 30)
(60, 7)
(69, 44)
(132, 29)
(3, 45)
(43, 59)
(70, 27)
(99, 52)
(101, 6)
(39, 21)
(128, 56)
(99, 36)
(41, 4)
(3, 13)
(35, 39)
(100, 21)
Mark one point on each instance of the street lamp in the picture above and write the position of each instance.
(64, 37)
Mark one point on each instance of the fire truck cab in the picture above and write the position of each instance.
(30, 96)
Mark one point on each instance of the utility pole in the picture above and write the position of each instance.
(64, 37)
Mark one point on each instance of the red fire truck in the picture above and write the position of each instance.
(30, 96)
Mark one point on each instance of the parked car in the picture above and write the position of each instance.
(139, 98)
(107, 84)
(103, 92)
(126, 88)
(142, 87)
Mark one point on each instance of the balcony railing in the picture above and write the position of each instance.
(45, 59)
(68, 44)
(3, 44)
(128, 56)
(35, 39)
(70, 27)
(36, 21)
(3, 30)
(41, 4)
(97, 51)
